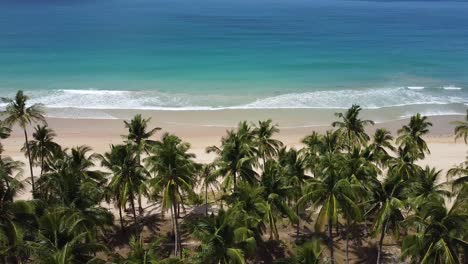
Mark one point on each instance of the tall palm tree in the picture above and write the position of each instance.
(208, 180)
(386, 204)
(174, 174)
(461, 128)
(331, 192)
(267, 146)
(352, 127)
(276, 192)
(295, 165)
(411, 135)
(127, 177)
(441, 233)
(42, 147)
(138, 136)
(17, 112)
(381, 143)
(236, 156)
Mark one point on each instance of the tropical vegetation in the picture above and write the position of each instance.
(343, 196)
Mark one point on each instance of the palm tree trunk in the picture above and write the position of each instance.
(8, 189)
(330, 243)
(121, 219)
(298, 220)
(177, 244)
(140, 207)
(234, 181)
(132, 202)
(42, 165)
(30, 161)
(347, 241)
(206, 199)
(382, 236)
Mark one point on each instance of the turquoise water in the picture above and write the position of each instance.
(214, 54)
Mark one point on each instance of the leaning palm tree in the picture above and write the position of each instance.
(174, 175)
(42, 147)
(461, 128)
(411, 135)
(17, 112)
(352, 127)
(267, 146)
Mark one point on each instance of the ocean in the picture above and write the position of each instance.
(243, 54)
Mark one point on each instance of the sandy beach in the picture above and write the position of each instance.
(194, 127)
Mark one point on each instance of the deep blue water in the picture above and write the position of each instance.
(243, 53)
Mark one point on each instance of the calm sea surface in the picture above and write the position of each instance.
(217, 54)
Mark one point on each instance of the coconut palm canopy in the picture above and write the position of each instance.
(345, 196)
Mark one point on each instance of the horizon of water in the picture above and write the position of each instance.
(211, 55)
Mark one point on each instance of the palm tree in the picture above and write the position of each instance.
(10, 172)
(138, 136)
(174, 175)
(209, 180)
(461, 128)
(461, 172)
(382, 141)
(223, 238)
(331, 192)
(352, 127)
(17, 112)
(4, 133)
(64, 238)
(236, 156)
(15, 219)
(426, 186)
(441, 233)
(15, 216)
(127, 177)
(42, 147)
(386, 204)
(411, 135)
(307, 253)
(294, 164)
(267, 146)
(276, 192)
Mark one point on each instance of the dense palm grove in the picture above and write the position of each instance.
(257, 202)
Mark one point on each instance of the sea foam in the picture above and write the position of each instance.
(325, 99)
